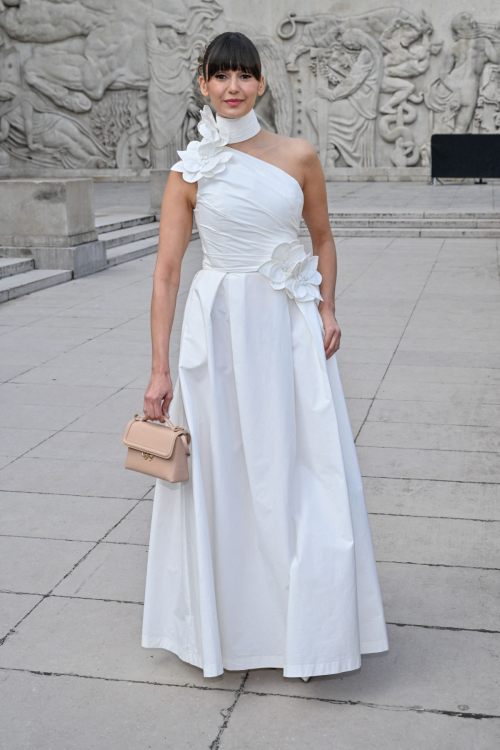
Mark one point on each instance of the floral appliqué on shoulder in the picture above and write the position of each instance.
(204, 158)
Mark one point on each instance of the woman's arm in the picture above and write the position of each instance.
(176, 225)
(315, 213)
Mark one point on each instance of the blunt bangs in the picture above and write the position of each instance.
(231, 50)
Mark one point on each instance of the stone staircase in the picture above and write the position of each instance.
(132, 236)
(414, 224)
(124, 239)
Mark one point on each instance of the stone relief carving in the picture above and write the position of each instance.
(92, 85)
(453, 96)
(32, 131)
(80, 51)
(368, 55)
(487, 114)
(347, 127)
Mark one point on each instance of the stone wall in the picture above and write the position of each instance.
(108, 88)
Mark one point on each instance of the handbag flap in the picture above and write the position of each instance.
(158, 439)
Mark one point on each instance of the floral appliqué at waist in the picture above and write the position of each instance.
(295, 270)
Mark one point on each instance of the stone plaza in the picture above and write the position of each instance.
(96, 99)
(420, 363)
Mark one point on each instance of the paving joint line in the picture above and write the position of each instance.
(438, 253)
(49, 593)
(227, 713)
(427, 479)
(377, 706)
(141, 604)
(241, 691)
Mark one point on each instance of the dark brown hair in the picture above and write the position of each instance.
(230, 50)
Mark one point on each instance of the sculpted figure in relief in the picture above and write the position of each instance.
(86, 47)
(393, 47)
(453, 96)
(487, 114)
(353, 109)
(33, 132)
(407, 54)
(97, 47)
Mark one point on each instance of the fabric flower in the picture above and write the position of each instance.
(282, 262)
(302, 283)
(201, 159)
(208, 128)
(204, 158)
(293, 269)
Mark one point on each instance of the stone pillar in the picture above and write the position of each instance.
(52, 220)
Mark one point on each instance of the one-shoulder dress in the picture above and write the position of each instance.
(264, 557)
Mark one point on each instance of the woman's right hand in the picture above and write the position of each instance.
(158, 396)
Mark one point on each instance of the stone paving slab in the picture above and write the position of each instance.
(135, 527)
(437, 437)
(455, 357)
(72, 712)
(417, 497)
(427, 667)
(463, 466)
(421, 380)
(38, 416)
(110, 571)
(93, 638)
(285, 723)
(34, 566)
(440, 596)
(13, 607)
(85, 478)
(436, 541)
(87, 446)
(74, 518)
(435, 412)
(16, 442)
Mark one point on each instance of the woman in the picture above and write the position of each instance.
(264, 557)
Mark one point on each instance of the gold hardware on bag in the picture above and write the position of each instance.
(147, 456)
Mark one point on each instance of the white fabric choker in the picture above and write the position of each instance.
(239, 128)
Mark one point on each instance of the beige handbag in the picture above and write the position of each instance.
(157, 450)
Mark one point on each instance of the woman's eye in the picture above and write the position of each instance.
(222, 75)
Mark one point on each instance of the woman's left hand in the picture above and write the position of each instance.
(331, 339)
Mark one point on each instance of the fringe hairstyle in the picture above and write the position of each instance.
(231, 50)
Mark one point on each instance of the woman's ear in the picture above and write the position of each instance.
(203, 86)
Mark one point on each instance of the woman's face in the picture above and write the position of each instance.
(232, 93)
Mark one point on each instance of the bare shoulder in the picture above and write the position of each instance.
(303, 149)
(298, 148)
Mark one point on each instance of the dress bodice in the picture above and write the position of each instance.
(245, 211)
(248, 214)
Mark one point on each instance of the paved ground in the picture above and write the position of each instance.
(420, 361)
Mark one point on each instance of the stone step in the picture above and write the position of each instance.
(112, 223)
(343, 231)
(13, 266)
(131, 251)
(416, 215)
(30, 281)
(126, 235)
(352, 221)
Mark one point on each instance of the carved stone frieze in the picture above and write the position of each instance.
(112, 85)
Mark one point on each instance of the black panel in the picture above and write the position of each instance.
(465, 155)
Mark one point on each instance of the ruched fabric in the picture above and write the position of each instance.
(264, 557)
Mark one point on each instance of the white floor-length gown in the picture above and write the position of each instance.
(264, 557)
